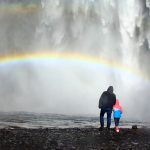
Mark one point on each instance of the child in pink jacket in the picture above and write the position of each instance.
(117, 112)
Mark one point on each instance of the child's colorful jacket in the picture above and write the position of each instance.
(117, 109)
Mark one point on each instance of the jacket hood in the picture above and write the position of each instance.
(117, 105)
(117, 102)
(110, 89)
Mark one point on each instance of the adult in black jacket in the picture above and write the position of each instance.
(106, 102)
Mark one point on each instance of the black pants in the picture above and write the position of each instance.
(116, 121)
(103, 111)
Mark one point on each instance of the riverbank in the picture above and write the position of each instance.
(73, 138)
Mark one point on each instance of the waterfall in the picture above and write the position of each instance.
(115, 30)
(112, 28)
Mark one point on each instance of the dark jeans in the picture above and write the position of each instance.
(116, 121)
(103, 111)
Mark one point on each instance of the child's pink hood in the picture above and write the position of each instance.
(117, 105)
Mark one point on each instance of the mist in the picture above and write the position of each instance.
(115, 30)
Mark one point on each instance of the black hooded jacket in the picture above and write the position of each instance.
(107, 99)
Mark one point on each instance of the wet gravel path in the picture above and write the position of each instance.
(74, 138)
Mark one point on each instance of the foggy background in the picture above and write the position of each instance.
(115, 30)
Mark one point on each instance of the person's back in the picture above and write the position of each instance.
(107, 99)
(106, 102)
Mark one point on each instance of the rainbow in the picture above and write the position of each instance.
(19, 7)
(69, 56)
(23, 57)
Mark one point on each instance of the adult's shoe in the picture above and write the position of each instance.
(101, 129)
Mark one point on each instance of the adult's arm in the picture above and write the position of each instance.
(114, 99)
(101, 100)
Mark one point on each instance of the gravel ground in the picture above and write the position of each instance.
(74, 138)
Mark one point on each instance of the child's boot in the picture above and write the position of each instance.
(117, 129)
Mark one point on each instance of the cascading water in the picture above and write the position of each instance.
(115, 30)
(107, 27)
